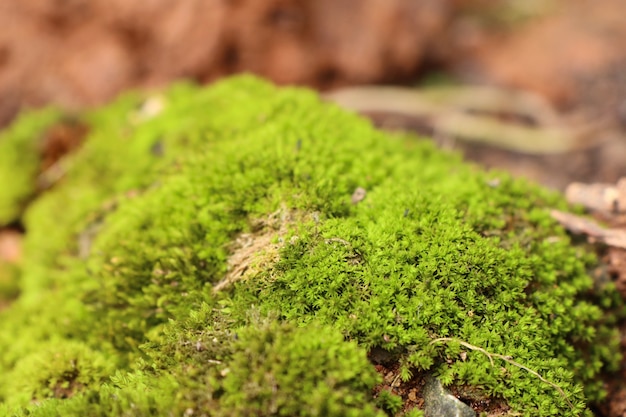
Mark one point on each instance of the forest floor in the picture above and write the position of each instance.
(566, 57)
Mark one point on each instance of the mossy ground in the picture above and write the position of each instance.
(452, 270)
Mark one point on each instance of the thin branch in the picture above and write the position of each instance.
(508, 360)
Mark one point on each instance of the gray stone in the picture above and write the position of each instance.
(438, 402)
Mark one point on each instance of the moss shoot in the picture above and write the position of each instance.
(202, 255)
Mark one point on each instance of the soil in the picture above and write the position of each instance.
(81, 53)
(411, 391)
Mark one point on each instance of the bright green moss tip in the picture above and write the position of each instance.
(202, 255)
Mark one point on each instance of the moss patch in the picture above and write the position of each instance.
(206, 246)
(19, 161)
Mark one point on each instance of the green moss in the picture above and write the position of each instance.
(9, 288)
(451, 269)
(389, 402)
(324, 375)
(56, 371)
(19, 161)
(267, 368)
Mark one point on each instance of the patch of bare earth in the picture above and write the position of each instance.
(258, 250)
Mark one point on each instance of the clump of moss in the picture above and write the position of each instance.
(325, 375)
(264, 368)
(454, 271)
(58, 370)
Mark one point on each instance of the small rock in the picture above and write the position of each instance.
(358, 195)
(438, 402)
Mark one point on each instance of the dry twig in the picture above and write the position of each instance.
(507, 359)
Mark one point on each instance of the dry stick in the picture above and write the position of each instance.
(508, 360)
(464, 113)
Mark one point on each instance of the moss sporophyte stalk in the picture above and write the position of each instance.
(206, 257)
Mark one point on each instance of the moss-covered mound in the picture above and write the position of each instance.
(239, 250)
